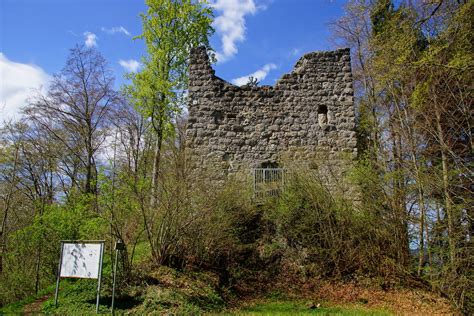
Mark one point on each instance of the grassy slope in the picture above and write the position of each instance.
(79, 299)
(166, 291)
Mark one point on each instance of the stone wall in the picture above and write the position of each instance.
(307, 116)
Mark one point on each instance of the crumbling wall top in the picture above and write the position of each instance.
(305, 113)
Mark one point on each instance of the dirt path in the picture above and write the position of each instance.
(35, 307)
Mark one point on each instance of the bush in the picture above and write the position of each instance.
(37, 246)
(330, 235)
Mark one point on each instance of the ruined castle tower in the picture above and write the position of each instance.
(307, 116)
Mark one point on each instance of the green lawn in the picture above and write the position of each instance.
(301, 308)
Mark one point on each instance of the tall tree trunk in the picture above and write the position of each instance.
(158, 126)
(409, 134)
(447, 195)
(399, 200)
(155, 172)
(40, 248)
(3, 235)
(421, 235)
(38, 266)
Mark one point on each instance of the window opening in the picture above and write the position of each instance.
(322, 115)
(218, 117)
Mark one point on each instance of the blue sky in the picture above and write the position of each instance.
(260, 37)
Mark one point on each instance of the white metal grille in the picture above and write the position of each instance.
(268, 182)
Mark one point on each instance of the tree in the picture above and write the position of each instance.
(414, 70)
(74, 112)
(170, 29)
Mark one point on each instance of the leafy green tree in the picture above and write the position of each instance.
(443, 97)
(170, 29)
(382, 12)
(418, 62)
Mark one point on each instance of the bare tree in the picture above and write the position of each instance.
(74, 112)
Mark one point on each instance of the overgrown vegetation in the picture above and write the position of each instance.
(89, 162)
(413, 67)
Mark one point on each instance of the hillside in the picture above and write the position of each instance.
(344, 185)
(167, 291)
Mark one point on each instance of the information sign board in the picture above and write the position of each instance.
(81, 260)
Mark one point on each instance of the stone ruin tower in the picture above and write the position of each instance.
(307, 117)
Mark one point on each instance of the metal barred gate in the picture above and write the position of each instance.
(268, 182)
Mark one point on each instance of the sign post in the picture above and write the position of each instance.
(59, 277)
(80, 259)
(118, 246)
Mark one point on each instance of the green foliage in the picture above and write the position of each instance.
(416, 111)
(382, 12)
(334, 237)
(217, 221)
(142, 252)
(94, 229)
(158, 301)
(170, 29)
(40, 242)
(121, 202)
(396, 44)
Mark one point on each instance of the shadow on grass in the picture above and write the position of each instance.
(123, 302)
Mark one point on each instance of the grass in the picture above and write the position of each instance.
(178, 294)
(300, 308)
(78, 297)
(17, 307)
(75, 296)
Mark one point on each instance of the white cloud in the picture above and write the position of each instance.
(295, 52)
(18, 82)
(91, 39)
(116, 29)
(259, 75)
(130, 65)
(230, 24)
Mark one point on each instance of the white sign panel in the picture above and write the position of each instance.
(81, 260)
